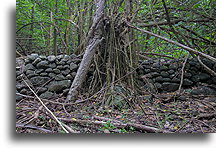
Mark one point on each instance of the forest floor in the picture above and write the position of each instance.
(161, 113)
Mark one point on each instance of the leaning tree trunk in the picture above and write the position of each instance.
(93, 39)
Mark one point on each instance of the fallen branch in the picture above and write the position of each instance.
(174, 42)
(46, 107)
(18, 125)
(117, 124)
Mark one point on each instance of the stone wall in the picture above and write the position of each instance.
(54, 74)
(165, 75)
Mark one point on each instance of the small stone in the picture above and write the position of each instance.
(47, 95)
(159, 79)
(73, 66)
(39, 80)
(29, 72)
(155, 74)
(69, 77)
(173, 66)
(158, 85)
(187, 82)
(38, 71)
(29, 67)
(42, 65)
(36, 61)
(164, 74)
(20, 86)
(59, 77)
(51, 58)
(49, 70)
(170, 87)
(65, 72)
(32, 57)
(42, 90)
(43, 74)
(24, 91)
(163, 67)
(176, 80)
(42, 57)
(56, 71)
(171, 71)
(53, 65)
(52, 75)
(61, 67)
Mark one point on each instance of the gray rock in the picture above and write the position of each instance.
(156, 65)
(42, 65)
(39, 80)
(158, 85)
(170, 87)
(187, 82)
(154, 74)
(166, 80)
(51, 58)
(51, 75)
(29, 67)
(73, 66)
(171, 71)
(163, 67)
(42, 90)
(200, 77)
(47, 95)
(29, 72)
(53, 65)
(20, 86)
(66, 67)
(36, 61)
(203, 90)
(43, 74)
(159, 79)
(176, 80)
(61, 67)
(56, 71)
(59, 77)
(164, 74)
(49, 70)
(38, 71)
(69, 77)
(73, 74)
(59, 57)
(59, 86)
(173, 66)
(42, 57)
(65, 72)
(187, 75)
(24, 91)
(147, 70)
(32, 57)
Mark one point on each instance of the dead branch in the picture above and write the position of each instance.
(45, 106)
(18, 125)
(174, 42)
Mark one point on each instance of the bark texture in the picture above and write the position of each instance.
(93, 39)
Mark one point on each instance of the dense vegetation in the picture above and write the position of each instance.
(107, 50)
(61, 26)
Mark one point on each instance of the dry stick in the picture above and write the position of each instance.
(182, 74)
(174, 42)
(62, 126)
(33, 127)
(206, 67)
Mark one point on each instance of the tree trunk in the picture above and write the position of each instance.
(93, 39)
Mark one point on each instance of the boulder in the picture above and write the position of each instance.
(170, 87)
(59, 86)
